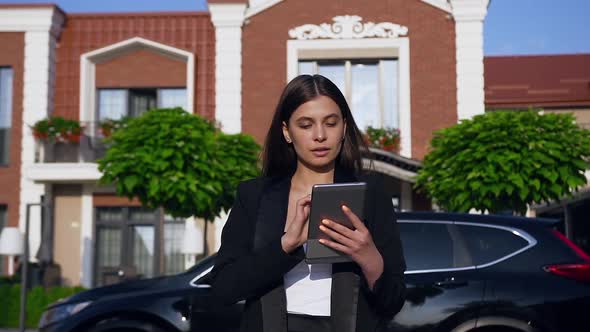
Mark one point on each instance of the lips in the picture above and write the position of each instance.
(320, 152)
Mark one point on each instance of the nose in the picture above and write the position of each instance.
(320, 134)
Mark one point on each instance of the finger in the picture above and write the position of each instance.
(349, 233)
(336, 246)
(337, 236)
(304, 200)
(356, 222)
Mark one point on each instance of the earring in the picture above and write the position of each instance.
(288, 140)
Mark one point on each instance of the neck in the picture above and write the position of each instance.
(304, 178)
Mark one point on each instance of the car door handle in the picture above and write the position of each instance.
(451, 283)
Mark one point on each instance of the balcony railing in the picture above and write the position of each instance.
(90, 148)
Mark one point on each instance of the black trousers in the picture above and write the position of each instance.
(306, 323)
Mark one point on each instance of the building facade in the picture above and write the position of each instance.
(415, 65)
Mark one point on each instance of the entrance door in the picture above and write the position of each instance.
(126, 244)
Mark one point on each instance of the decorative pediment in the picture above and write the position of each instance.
(348, 27)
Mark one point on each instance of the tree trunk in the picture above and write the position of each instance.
(205, 253)
(161, 241)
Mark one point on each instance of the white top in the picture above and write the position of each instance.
(309, 288)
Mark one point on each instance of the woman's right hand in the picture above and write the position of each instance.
(296, 233)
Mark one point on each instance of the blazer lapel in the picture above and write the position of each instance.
(272, 213)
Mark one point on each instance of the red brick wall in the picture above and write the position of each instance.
(141, 68)
(83, 33)
(113, 200)
(432, 59)
(12, 54)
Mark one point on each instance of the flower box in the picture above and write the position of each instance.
(387, 139)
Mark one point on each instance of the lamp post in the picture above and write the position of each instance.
(11, 244)
(25, 269)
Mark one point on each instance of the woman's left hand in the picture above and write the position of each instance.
(356, 243)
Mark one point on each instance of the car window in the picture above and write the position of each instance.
(487, 244)
(432, 246)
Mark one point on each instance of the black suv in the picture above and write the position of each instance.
(466, 273)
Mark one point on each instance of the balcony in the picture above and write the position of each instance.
(69, 161)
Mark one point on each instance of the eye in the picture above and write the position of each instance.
(305, 126)
(331, 124)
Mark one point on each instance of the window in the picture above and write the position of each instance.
(370, 87)
(169, 98)
(3, 222)
(488, 244)
(127, 240)
(118, 103)
(173, 237)
(445, 250)
(6, 78)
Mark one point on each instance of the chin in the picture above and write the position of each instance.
(321, 164)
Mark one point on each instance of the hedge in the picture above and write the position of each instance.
(38, 298)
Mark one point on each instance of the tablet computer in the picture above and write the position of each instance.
(326, 203)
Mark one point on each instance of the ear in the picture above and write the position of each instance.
(344, 131)
(286, 133)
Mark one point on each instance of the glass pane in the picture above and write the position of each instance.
(437, 255)
(6, 76)
(489, 244)
(173, 233)
(365, 95)
(390, 93)
(112, 104)
(142, 214)
(109, 247)
(307, 67)
(141, 101)
(5, 97)
(143, 245)
(335, 71)
(109, 214)
(170, 98)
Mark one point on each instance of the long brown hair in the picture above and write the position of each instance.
(279, 157)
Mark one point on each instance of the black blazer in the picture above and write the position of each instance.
(251, 263)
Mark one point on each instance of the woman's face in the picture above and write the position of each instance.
(316, 130)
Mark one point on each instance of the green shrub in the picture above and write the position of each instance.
(506, 160)
(38, 298)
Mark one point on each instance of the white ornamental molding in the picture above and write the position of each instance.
(348, 27)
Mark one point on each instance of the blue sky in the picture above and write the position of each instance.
(511, 27)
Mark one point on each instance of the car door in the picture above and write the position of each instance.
(443, 286)
(203, 319)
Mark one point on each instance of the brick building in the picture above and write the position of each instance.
(416, 65)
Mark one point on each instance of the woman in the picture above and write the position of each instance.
(312, 139)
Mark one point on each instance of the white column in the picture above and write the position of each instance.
(86, 237)
(42, 28)
(228, 20)
(469, 16)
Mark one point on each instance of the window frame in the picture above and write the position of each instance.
(3, 223)
(128, 96)
(515, 231)
(5, 160)
(348, 64)
(527, 237)
(357, 49)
